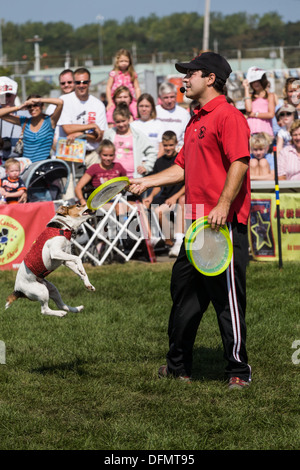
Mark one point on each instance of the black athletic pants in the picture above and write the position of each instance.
(192, 292)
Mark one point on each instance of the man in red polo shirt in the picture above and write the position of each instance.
(213, 163)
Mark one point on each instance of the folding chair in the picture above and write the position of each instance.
(105, 217)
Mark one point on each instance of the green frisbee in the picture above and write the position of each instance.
(209, 251)
(106, 191)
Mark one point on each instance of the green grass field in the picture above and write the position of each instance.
(88, 381)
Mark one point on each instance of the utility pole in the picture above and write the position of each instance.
(205, 45)
(67, 60)
(1, 48)
(37, 62)
(100, 19)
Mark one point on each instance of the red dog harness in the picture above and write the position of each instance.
(34, 259)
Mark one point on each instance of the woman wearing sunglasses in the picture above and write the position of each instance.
(38, 130)
(285, 117)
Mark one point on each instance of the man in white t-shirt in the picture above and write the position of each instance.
(84, 114)
(172, 116)
(67, 85)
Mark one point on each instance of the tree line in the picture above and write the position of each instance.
(176, 36)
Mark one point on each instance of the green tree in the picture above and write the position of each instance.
(41, 88)
(178, 35)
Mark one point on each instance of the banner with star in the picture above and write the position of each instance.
(20, 225)
(263, 237)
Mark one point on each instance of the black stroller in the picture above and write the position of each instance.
(46, 180)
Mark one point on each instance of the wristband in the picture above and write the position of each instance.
(247, 98)
(256, 114)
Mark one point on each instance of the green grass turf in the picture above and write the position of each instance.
(88, 381)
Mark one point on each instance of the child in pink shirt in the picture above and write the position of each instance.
(100, 172)
(123, 74)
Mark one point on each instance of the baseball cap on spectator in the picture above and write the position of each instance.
(209, 61)
(7, 85)
(254, 74)
(285, 108)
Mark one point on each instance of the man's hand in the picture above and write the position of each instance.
(72, 137)
(97, 134)
(218, 215)
(138, 186)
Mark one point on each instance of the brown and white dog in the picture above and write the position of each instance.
(52, 249)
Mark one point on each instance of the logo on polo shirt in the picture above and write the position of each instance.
(202, 132)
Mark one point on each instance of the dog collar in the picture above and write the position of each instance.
(61, 226)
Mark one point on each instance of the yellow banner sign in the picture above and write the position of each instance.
(263, 226)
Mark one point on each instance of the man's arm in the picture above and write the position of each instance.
(75, 130)
(172, 175)
(235, 177)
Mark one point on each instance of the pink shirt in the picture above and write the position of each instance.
(124, 153)
(260, 105)
(122, 79)
(289, 163)
(100, 175)
(109, 113)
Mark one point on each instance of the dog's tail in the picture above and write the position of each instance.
(15, 295)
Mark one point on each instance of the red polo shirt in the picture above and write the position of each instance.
(215, 137)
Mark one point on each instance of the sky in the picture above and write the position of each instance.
(82, 12)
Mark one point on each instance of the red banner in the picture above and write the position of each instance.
(20, 225)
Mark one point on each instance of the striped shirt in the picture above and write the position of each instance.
(289, 163)
(37, 145)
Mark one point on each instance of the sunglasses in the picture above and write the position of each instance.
(82, 82)
(285, 114)
(66, 83)
(35, 105)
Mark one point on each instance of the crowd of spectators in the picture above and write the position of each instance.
(273, 124)
(127, 132)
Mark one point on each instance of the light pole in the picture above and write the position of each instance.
(205, 45)
(1, 47)
(100, 19)
(37, 63)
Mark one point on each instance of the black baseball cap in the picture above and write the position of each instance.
(209, 61)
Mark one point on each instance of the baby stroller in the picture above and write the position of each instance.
(46, 180)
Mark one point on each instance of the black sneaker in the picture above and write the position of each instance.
(163, 373)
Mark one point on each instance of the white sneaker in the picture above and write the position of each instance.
(174, 251)
(154, 241)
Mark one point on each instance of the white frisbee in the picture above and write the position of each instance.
(106, 191)
(209, 251)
